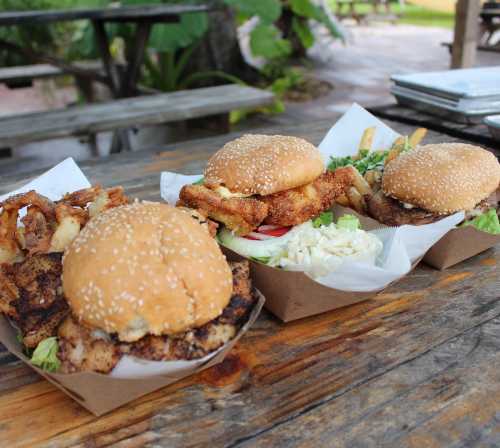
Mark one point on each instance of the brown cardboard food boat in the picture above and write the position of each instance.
(102, 393)
(292, 295)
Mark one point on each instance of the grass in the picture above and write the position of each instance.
(411, 14)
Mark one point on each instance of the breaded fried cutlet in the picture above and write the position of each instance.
(32, 296)
(298, 205)
(81, 349)
(242, 215)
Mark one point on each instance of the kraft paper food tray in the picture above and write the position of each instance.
(101, 393)
(458, 245)
(292, 295)
(131, 378)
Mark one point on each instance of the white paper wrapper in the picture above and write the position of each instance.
(64, 178)
(403, 246)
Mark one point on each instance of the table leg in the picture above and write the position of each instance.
(107, 60)
(120, 138)
(129, 84)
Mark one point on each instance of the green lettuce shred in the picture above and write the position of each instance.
(486, 222)
(45, 355)
(349, 222)
(263, 260)
(324, 219)
(199, 181)
(368, 160)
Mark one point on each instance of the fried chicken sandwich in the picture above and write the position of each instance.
(435, 180)
(265, 183)
(143, 279)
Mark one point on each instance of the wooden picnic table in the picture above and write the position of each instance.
(417, 366)
(122, 83)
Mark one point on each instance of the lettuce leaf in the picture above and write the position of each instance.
(263, 260)
(324, 219)
(45, 355)
(368, 160)
(486, 222)
(349, 222)
(199, 181)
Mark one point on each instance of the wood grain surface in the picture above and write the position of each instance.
(123, 14)
(123, 113)
(473, 133)
(418, 366)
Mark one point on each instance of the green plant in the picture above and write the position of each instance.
(54, 38)
(279, 21)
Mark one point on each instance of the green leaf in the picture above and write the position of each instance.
(303, 32)
(324, 219)
(265, 40)
(486, 222)
(267, 10)
(263, 260)
(305, 8)
(171, 37)
(368, 161)
(45, 355)
(348, 222)
(199, 181)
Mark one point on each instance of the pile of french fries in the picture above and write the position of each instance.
(368, 184)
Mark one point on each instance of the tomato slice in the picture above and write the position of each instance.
(267, 232)
(279, 231)
(248, 237)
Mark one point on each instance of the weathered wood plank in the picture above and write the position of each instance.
(463, 51)
(362, 375)
(38, 71)
(416, 366)
(470, 132)
(127, 112)
(124, 13)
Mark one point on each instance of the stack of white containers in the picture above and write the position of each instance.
(464, 96)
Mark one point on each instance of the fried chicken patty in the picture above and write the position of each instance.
(391, 212)
(239, 214)
(298, 205)
(286, 208)
(82, 349)
(31, 294)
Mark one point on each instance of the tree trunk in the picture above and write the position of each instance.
(220, 50)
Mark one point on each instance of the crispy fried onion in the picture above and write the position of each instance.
(49, 226)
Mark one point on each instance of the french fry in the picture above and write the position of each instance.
(359, 182)
(367, 139)
(393, 153)
(398, 142)
(343, 200)
(417, 136)
(373, 177)
(356, 200)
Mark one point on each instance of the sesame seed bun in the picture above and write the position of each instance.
(145, 268)
(264, 164)
(442, 178)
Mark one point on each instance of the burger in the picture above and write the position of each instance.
(436, 180)
(263, 184)
(143, 279)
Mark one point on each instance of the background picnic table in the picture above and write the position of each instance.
(419, 365)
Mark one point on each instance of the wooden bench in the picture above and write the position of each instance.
(125, 113)
(22, 76)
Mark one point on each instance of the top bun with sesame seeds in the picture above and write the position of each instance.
(264, 164)
(145, 269)
(442, 178)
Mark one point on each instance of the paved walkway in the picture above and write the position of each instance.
(359, 72)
